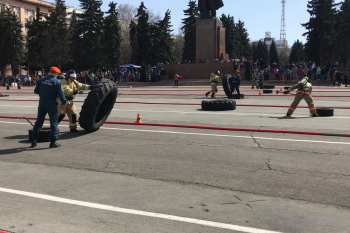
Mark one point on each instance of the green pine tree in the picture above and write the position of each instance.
(273, 53)
(90, 25)
(144, 36)
(38, 41)
(133, 42)
(163, 45)
(297, 52)
(343, 31)
(58, 54)
(320, 30)
(265, 54)
(11, 40)
(74, 41)
(189, 29)
(111, 37)
(230, 35)
(243, 46)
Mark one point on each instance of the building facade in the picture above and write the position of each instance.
(25, 11)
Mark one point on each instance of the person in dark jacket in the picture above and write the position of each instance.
(50, 90)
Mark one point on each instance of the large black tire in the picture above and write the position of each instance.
(267, 91)
(98, 105)
(226, 84)
(236, 96)
(44, 135)
(286, 88)
(325, 111)
(218, 105)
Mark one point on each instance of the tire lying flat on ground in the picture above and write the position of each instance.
(267, 91)
(325, 111)
(236, 96)
(226, 84)
(218, 105)
(44, 135)
(98, 105)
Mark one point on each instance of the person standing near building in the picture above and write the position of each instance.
(261, 80)
(300, 72)
(346, 76)
(304, 92)
(49, 89)
(255, 77)
(176, 79)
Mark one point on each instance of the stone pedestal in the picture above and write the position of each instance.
(210, 39)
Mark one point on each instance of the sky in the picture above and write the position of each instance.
(259, 16)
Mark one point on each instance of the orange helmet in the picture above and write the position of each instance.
(237, 71)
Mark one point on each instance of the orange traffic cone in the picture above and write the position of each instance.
(138, 119)
(259, 92)
(281, 90)
(130, 86)
(21, 88)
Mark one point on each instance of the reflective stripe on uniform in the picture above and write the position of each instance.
(80, 85)
(73, 124)
(291, 108)
(65, 86)
(312, 109)
(69, 91)
(304, 92)
(87, 87)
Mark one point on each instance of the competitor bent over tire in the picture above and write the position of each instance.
(304, 92)
(70, 87)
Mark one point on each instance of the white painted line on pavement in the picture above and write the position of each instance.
(202, 134)
(136, 212)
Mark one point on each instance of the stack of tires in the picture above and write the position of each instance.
(218, 105)
(269, 86)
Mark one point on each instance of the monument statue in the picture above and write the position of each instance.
(209, 6)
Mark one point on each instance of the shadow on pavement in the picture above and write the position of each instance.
(21, 149)
(63, 136)
(289, 118)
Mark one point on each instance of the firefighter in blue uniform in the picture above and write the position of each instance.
(236, 82)
(49, 89)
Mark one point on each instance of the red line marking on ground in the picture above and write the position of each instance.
(207, 127)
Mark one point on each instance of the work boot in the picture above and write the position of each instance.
(206, 94)
(74, 131)
(213, 96)
(34, 143)
(288, 115)
(53, 144)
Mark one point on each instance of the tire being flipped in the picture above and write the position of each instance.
(325, 112)
(226, 84)
(98, 105)
(218, 105)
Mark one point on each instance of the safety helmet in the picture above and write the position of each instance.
(71, 74)
(217, 72)
(237, 71)
(262, 71)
